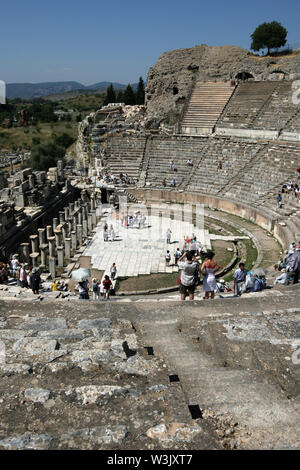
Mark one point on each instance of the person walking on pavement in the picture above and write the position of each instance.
(113, 271)
(169, 236)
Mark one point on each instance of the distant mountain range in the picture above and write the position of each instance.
(28, 91)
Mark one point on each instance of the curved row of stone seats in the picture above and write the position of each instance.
(234, 155)
(245, 104)
(179, 149)
(277, 166)
(277, 110)
(289, 214)
(125, 155)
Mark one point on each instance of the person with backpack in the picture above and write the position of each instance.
(189, 276)
(177, 255)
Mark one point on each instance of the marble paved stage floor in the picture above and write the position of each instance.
(140, 251)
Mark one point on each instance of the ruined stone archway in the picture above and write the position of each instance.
(277, 75)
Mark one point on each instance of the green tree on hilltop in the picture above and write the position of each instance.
(140, 94)
(268, 35)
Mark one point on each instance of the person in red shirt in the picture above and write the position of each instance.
(107, 285)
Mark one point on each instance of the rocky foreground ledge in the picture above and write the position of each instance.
(150, 375)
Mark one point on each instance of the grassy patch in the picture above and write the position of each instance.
(147, 282)
(22, 137)
(252, 254)
(222, 256)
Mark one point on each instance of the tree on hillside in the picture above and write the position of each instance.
(44, 156)
(110, 95)
(120, 97)
(268, 36)
(64, 140)
(128, 95)
(140, 94)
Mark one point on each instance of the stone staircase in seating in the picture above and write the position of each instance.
(207, 102)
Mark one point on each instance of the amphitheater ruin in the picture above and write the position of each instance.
(146, 371)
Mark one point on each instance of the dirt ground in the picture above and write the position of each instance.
(85, 262)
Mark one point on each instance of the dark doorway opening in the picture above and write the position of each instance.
(243, 76)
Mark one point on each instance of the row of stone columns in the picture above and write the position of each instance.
(59, 241)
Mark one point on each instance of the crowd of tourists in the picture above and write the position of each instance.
(137, 220)
(288, 188)
(121, 180)
(195, 264)
(25, 276)
(100, 290)
(134, 220)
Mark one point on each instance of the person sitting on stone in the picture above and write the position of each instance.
(173, 182)
(283, 278)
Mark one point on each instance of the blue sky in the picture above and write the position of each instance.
(91, 41)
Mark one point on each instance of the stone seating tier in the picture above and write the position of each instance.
(245, 104)
(265, 178)
(278, 110)
(124, 155)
